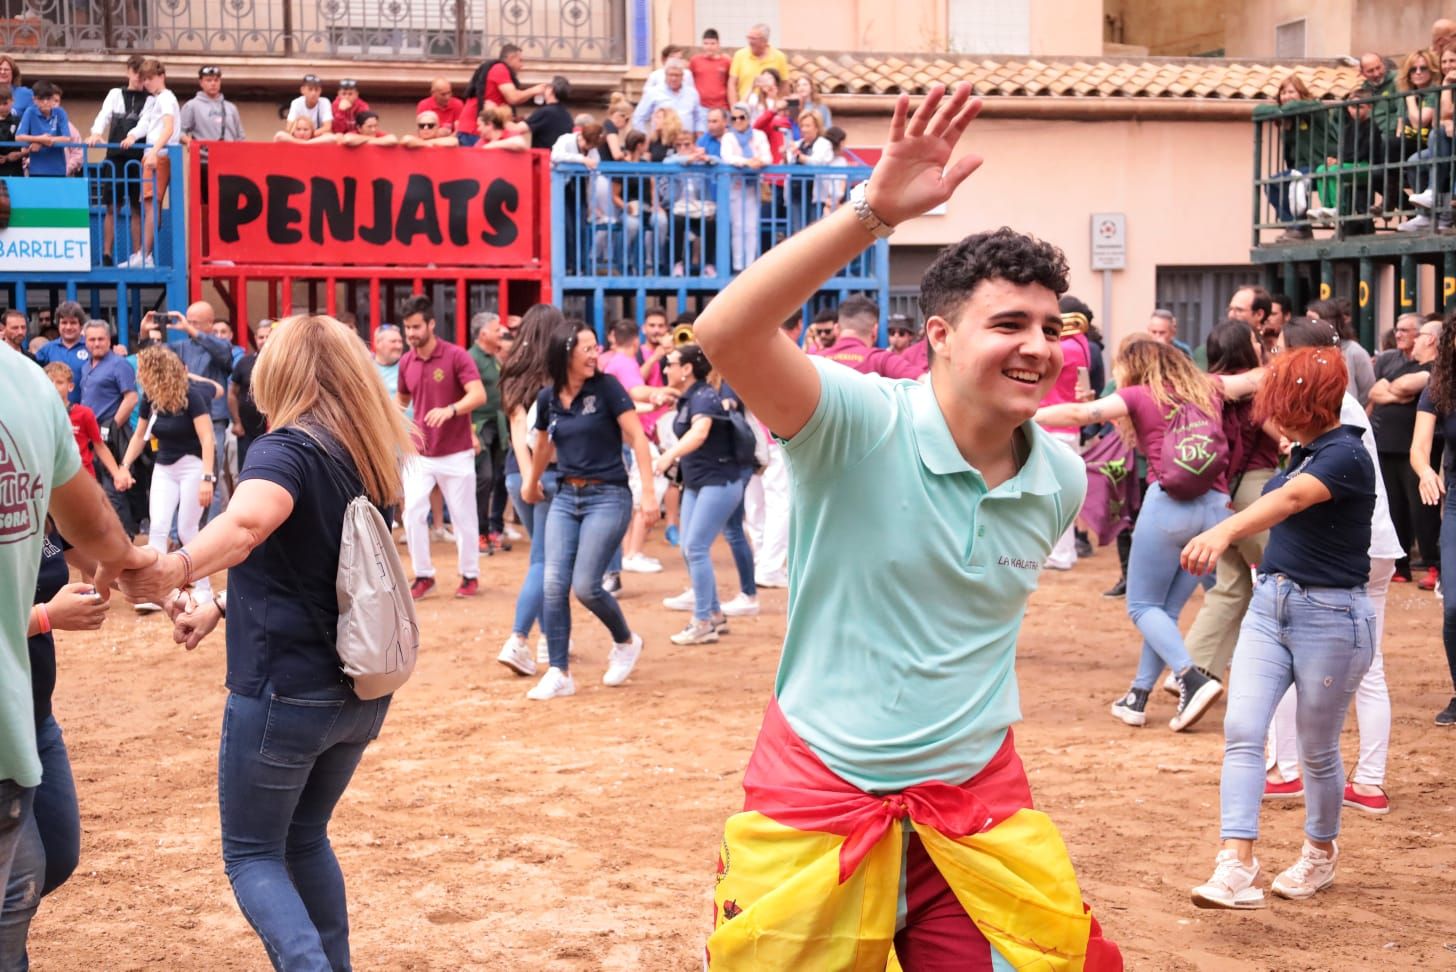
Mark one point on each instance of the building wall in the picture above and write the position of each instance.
(1391, 28)
(1184, 187)
(1170, 28)
(1249, 26)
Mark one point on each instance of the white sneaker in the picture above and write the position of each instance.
(442, 534)
(1170, 684)
(138, 259)
(777, 578)
(1313, 872)
(680, 602)
(641, 564)
(742, 606)
(543, 650)
(621, 661)
(516, 655)
(555, 684)
(1232, 885)
(1415, 224)
(696, 633)
(146, 607)
(513, 534)
(1424, 200)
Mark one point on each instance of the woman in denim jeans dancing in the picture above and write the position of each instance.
(522, 378)
(1310, 624)
(586, 416)
(293, 730)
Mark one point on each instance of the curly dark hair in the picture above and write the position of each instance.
(1003, 254)
(1443, 372)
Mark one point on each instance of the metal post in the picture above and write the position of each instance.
(1106, 304)
(1291, 283)
(1258, 158)
(287, 28)
(460, 29)
(1367, 302)
(1326, 279)
(1407, 298)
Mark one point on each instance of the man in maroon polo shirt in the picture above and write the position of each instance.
(443, 384)
(859, 318)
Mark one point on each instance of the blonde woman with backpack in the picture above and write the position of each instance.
(293, 728)
(1175, 414)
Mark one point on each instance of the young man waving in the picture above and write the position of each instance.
(901, 714)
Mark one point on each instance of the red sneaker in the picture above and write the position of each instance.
(421, 587)
(483, 545)
(1289, 790)
(499, 541)
(1379, 804)
(469, 587)
(1428, 582)
(1399, 579)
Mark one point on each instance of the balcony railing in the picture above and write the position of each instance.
(583, 30)
(1359, 167)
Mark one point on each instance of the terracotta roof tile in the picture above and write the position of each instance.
(883, 74)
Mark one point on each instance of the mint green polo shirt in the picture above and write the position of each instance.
(37, 452)
(908, 580)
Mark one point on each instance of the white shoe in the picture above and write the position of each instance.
(742, 606)
(641, 564)
(621, 661)
(1415, 224)
(146, 607)
(516, 655)
(513, 534)
(555, 684)
(777, 578)
(442, 534)
(1170, 684)
(543, 650)
(697, 633)
(1424, 200)
(138, 259)
(680, 602)
(1232, 885)
(1312, 873)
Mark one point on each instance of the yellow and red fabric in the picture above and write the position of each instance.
(809, 872)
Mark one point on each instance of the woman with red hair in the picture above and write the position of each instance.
(1310, 623)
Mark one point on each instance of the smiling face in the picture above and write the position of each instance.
(7, 75)
(1448, 62)
(301, 127)
(809, 127)
(1372, 67)
(583, 362)
(1288, 92)
(739, 118)
(678, 375)
(1004, 352)
(70, 328)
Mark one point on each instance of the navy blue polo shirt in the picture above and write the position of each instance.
(712, 464)
(587, 437)
(53, 575)
(1327, 545)
(176, 432)
(1445, 425)
(76, 356)
(283, 609)
(106, 381)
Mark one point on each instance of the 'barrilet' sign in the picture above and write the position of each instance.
(370, 205)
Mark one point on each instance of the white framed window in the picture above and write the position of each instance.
(989, 26)
(732, 18)
(1289, 39)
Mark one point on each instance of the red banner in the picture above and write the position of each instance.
(371, 205)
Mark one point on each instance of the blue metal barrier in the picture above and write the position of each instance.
(123, 282)
(649, 230)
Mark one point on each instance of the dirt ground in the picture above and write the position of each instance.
(484, 831)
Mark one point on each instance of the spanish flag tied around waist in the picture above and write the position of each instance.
(809, 872)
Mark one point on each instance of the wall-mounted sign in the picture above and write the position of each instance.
(49, 227)
(1109, 241)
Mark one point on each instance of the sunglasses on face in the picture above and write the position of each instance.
(425, 125)
(740, 118)
(900, 330)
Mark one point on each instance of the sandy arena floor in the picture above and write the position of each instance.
(484, 831)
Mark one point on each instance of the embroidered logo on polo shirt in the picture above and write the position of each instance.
(1018, 563)
(438, 374)
(589, 405)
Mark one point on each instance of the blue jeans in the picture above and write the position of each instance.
(533, 521)
(282, 766)
(706, 512)
(1278, 195)
(1157, 588)
(15, 804)
(585, 525)
(1448, 585)
(1321, 640)
(48, 850)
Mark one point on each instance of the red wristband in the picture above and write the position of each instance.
(44, 619)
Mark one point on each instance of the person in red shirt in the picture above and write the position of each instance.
(443, 384)
(494, 84)
(859, 317)
(710, 72)
(347, 108)
(444, 104)
(85, 428)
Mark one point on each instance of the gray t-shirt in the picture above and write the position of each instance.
(37, 453)
(211, 119)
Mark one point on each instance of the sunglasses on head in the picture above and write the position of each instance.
(210, 72)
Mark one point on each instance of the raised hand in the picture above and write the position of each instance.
(915, 173)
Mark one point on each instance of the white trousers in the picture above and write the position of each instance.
(455, 475)
(1372, 703)
(766, 514)
(175, 489)
(1064, 554)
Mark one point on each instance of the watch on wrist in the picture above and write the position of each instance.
(209, 478)
(867, 216)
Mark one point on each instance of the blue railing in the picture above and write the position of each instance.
(660, 229)
(123, 281)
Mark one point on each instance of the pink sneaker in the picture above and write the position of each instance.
(1379, 804)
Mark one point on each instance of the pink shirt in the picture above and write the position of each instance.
(851, 351)
(438, 382)
(621, 366)
(1075, 354)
